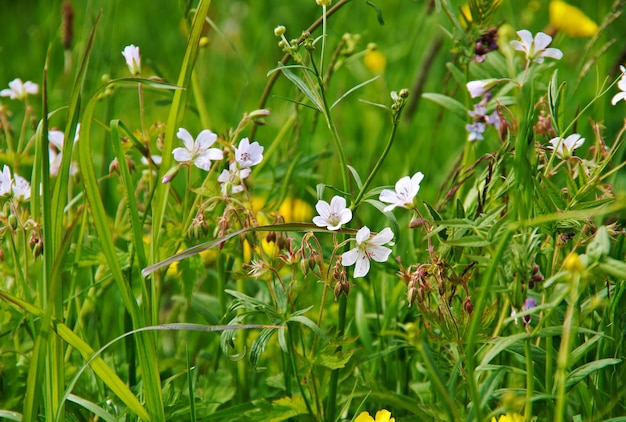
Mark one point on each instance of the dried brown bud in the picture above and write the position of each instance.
(68, 25)
(468, 305)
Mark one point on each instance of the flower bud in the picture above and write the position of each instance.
(323, 2)
(411, 295)
(171, 173)
(203, 42)
(279, 31)
(38, 249)
(13, 223)
(338, 290)
(468, 306)
(404, 93)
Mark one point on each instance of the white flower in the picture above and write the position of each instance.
(621, 84)
(480, 87)
(404, 195)
(248, 154)
(332, 216)
(536, 49)
(18, 90)
(133, 60)
(21, 188)
(564, 147)
(367, 248)
(5, 181)
(57, 138)
(231, 179)
(198, 151)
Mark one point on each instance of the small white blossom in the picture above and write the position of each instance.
(133, 59)
(21, 188)
(18, 90)
(367, 247)
(5, 181)
(231, 179)
(332, 216)
(480, 87)
(564, 147)
(197, 152)
(536, 48)
(248, 154)
(404, 195)
(621, 84)
(57, 139)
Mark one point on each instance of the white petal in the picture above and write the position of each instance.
(383, 237)
(323, 209)
(203, 162)
(181, 155)
(362, 235)
(618, 97)
(362, 266)
(345, 216)
(205, 139)
(187, 139)
(213, 154)
(553, 53)
(319, 221)
(389, 196)
(349, 258)
(379, 253)
(56, 138)
(526, 37)
(337, 204)
(542, 41)
(417, 179)
(31, 88)
(224, 176)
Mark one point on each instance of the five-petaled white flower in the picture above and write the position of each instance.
(231, 179)
(21, 188)
(367, 247)
(198, 151)
(248, 154)
(536, 48)
(564, 147)
(18, 90)
(332, 216)
(133, 60)
(5, 181)
(404, 195)
(621, 84)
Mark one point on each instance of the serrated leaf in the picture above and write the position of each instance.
(258, 345)
(334, 360)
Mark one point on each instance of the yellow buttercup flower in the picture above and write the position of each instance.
(381, 416)
(571, 20)
(509, 417)
(375, 61)
(295, 210)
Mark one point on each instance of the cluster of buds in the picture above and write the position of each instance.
(198, 228)
(399, 101)
(342, 285)
(289, 47)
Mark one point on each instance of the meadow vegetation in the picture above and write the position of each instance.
(312, 210)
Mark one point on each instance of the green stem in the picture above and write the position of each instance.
(472, 333)
(294, 368)
(530, 377)
(331, 403)
(380, 161)
(566, 343)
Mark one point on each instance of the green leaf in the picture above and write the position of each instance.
(302, 86)
(351, 90)
(379, 13)
(333, 359)
(357, 178)
(447, 102)
(93, 408)
(473, 241)
(258, 345)
(499, 345)
(584, 371)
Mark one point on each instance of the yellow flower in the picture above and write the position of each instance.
(571, 20)
(295, 210)
(381, 416)
(514, 417)
(375, 61)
